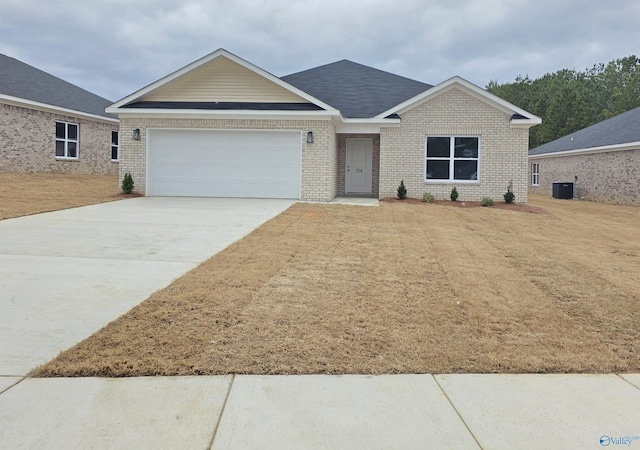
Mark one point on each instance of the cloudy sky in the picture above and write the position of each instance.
(115, 47)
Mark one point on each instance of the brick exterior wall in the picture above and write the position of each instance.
(319, 159)
(342, 161)
(28, 143)
(610, 177)
(503, 150)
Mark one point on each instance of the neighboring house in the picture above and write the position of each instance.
(223, 127)
(49, 125)
(603, 161)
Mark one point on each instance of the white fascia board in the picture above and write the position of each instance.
(222, 114)
(525, 123)
(470, 89)
(30, 104)
(205, 59)
(586, 151)
(371, 120)
(368, 126)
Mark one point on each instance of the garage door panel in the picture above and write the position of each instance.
(225, 163)
(180, 188)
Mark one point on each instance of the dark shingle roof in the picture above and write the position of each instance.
(21, 80)
(357, 91)
(621, 129)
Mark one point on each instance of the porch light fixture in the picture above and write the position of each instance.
(136, 134)
(310, 137)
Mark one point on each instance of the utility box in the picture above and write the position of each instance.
(563, 190)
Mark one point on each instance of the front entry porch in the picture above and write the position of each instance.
(358, 165)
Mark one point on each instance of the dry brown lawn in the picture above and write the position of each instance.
(25, 194)
(401, 288)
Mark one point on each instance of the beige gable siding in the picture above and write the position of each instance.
(222, 80)
(503, 150)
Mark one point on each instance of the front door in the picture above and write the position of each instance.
(359, 166)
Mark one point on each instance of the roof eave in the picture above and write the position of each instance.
(525, 123)
(365, 126)
(371, 120)
(220, 113)
(30, 104)
(585, 151)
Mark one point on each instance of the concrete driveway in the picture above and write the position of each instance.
(66, 274)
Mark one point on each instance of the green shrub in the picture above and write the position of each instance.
(402, 191)
(487, 201)
(127, 183)
(454, 194)
(428, 198)
(510, 197)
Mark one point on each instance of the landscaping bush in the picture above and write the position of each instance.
(428, 198)
(510, 197)
(487, 201)
(454, 194)
(402, 191)
(127, 183)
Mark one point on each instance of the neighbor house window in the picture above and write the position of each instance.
(452, 158)
(115, 146)
(535, 174)
(67, 140)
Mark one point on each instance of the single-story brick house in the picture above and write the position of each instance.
(602, 161)
(50, 125)
(224, 127)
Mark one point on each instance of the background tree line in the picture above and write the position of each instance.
(569, 100)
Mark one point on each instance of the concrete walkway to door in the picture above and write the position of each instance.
(66, 274)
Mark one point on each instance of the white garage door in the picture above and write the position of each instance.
(224, 163)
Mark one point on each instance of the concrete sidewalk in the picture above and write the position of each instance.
(323, 412)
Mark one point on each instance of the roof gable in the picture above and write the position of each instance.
(220, 77)
(22, 81)
(519, 117)
(223, 80)
(617, 131)
(356, 90)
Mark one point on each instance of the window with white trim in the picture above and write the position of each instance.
(67, 140)
(452, 158)
(535, 174)
(115, 146)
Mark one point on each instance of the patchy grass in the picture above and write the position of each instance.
(402, 288)
(24, 194)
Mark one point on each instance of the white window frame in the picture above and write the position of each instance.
(115, 145)
(452, 159)
(66, 140)
(535, 174)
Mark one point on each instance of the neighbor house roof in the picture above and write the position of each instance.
(616, 133)
(357, 91)
(20, 81)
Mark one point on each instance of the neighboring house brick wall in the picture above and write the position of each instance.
(503, 152)
(28, 143)
(610, 177)
(342, 161)
(319, 159)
